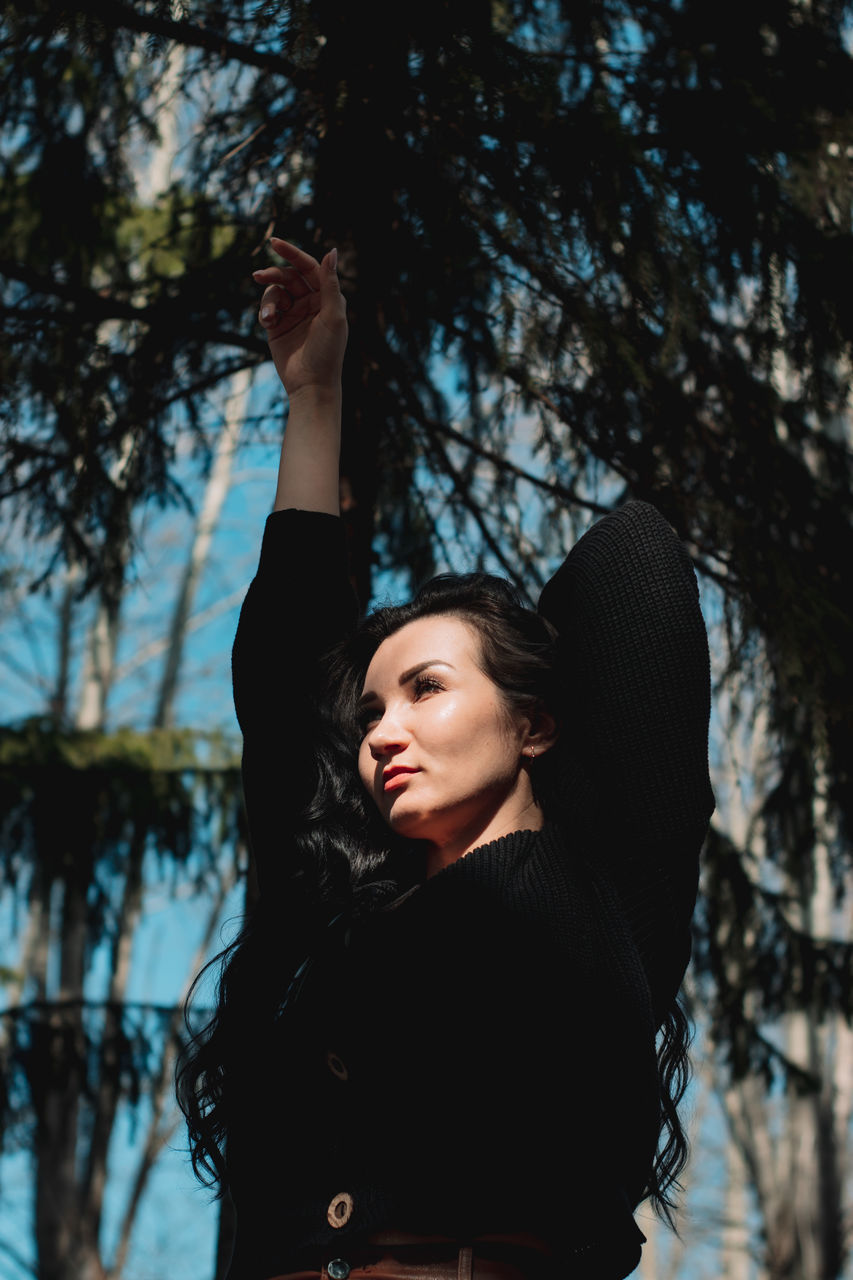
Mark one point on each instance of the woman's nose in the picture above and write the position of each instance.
(387, 737)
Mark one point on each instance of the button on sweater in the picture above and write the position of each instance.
(476, 1055)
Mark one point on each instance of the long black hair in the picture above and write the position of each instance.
(348, 860)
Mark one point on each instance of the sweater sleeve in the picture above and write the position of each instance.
(298, 606)
(625, 603)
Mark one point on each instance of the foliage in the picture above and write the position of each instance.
(747, 941)
(82, 811)
(89, 818)
(79, 804)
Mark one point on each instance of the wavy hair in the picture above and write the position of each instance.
(348, 860)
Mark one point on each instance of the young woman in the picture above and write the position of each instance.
(476, 830)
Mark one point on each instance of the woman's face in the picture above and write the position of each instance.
(441, 754)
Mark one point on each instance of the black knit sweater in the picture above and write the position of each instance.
(477, 1056)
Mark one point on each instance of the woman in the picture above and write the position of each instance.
(476, 831)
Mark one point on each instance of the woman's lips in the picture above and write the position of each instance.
(394, 778)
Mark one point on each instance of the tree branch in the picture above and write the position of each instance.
(564, 492)
(447, 468)
(181, 31)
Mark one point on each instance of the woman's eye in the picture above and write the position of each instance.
(426, 684)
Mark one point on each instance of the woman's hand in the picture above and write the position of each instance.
(305, 318)
(304, 314)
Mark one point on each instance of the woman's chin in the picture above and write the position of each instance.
(406, 825)
(410, 823)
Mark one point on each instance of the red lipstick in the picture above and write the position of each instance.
(395, 776)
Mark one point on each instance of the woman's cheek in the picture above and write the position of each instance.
(450, 727)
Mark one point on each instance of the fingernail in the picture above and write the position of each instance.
(333, 259)
(268, 313)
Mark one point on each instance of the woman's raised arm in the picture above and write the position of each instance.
(304, 314)
(300, 602)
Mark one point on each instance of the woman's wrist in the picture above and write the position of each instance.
(309, 471)
(314, 397)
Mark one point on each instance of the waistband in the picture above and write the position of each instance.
(394, 1255)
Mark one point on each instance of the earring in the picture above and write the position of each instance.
(532, 753)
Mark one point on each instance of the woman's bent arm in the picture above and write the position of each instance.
(626, 605)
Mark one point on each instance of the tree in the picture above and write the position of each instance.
(85, 814)
(622, 223)
(96, 819)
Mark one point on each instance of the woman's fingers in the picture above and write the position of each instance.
(284, 273)
(300, 265)
(298, 290)
(303, 312)
(286, 287)
(298, 259)
(283, 291)
(274, 302)
(282, 310)
(295, 284)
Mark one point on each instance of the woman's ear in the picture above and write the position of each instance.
(542, 734)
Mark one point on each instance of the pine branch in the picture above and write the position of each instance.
(183, 32)
(565, 493)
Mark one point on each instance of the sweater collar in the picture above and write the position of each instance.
(495, 860)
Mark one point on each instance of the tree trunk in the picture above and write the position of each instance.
(215, 494)
(734, 1238)
(98, 667)
(77, 1086)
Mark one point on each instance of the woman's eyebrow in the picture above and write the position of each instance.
(369, 696)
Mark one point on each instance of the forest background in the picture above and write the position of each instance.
(591, 251)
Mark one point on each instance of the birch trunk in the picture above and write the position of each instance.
(72, 1136)
(734, 1239)
(796, 1146)
(216, 491)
